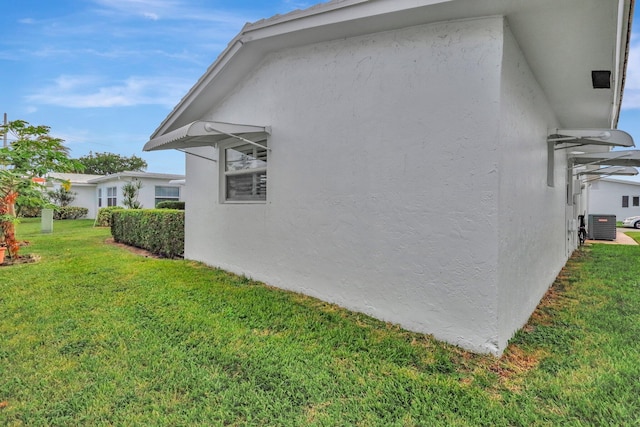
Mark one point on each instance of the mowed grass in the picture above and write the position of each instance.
(95, 335)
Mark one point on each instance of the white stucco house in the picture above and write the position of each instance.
(614, 197)
(85, 191)
(97, 191)
(408, 159)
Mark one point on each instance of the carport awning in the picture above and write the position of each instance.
(206, 133)
(608, 137)
(629, 158)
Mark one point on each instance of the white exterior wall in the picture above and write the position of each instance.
(86, 197)
(532, 234)
(146, 195)
(605, 198)
(387, 178)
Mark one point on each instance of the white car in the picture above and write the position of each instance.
(632, 221)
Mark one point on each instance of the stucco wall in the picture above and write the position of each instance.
(146, 195)
(86, 197)
(605, 197)
(383, 183)
(532, 231)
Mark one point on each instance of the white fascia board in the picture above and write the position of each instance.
(623, 40)
(334, 13)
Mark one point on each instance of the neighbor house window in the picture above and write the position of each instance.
(245, 172)
(112, 198)
(625, 201)
(99, 197)
(636, 201)
(164, 194)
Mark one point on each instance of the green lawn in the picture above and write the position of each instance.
(95, 335)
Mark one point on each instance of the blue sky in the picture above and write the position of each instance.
(103, 74)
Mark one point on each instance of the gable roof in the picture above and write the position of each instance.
(563, 41)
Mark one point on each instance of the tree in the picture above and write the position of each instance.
(33, 153)
(62, 196)
(110, 163)
(130, 191)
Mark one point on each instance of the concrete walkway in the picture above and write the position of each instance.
(621, 238)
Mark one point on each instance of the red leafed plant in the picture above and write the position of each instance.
(32, 153)
(8, 238)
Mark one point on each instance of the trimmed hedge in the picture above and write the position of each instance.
(104, 216)
(69, 212)
(170, 204)
(160, 231)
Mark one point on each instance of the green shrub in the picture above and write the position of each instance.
(29, 212)
(170, 204)
(160, 231)
(104, 216)
(69, 212)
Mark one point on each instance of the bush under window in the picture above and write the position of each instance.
(160, 231)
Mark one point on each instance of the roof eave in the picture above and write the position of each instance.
(626, 35)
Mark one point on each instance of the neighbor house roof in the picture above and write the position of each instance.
(138, 175)
(563, 42)
(620, 181)
(74, 178)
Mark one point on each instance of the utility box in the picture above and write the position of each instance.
(47, 221)
(602, 227)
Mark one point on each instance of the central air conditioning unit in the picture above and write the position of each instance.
(602, 227)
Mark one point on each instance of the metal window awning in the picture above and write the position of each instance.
(560, 139)
(207, 133)
(611, 171)
(578, 137)
(629, 158)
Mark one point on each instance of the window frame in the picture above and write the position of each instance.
(157, 199)
(625, 201)
(224, 173)
(112, 199)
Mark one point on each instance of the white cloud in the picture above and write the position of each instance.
(169, 10)
(145, 8)
(93, 92)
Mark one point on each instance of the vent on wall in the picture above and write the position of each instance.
(601, 79)
(602, 227)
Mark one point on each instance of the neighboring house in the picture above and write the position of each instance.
(614, 197)
(156, 188)
(98, 191)
(403, 158)
(85, 191)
